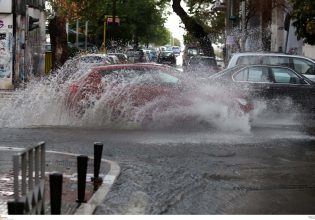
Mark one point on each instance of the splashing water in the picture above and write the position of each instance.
(43, 103)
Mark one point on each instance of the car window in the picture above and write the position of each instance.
(193, 52)
(168, 79)
(252, 74)
(276, 60)
(303, 66)
(282, 75)
(248, 60)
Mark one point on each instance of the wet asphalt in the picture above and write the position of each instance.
(269, 170)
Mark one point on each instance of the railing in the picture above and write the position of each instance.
(29, 190)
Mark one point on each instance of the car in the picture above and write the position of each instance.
(152, 55)
(176, 50)
(121, 57)
(137, 56)
(113, 59)
(145, 88)
(301, 64)
(93, 58)
(281, 88)
(189, 52)
(166, 57)
(89, 47)
(202, 65)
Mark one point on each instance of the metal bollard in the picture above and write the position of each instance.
(55, 184)
(15, 208)
(98, 148)
(82, 162)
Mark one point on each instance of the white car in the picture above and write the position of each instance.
(301, 64)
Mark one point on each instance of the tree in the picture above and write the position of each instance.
(303, 14)
(141, 22)
(62, 10)
(195, 28)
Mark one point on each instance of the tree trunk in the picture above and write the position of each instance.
(195, 29)
(58, 40)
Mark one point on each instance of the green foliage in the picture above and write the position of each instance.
(213, 22)
(141, 21)
(303, 15)
(177, 42)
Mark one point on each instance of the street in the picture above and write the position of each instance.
(195, 171)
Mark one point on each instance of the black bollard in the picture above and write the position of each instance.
(15, 208)
(98, 148)
(55, 184)
(82, 162)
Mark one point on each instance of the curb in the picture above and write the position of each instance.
(96, 198)
(89, 207)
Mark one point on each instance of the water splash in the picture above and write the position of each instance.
(42, 103)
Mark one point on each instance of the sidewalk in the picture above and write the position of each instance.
(65, 163)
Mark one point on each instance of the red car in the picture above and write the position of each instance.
(127, 89)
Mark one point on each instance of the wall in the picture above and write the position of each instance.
(6, 51)
(309, 51)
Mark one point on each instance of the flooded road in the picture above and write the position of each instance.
(270, 170)
(203, 162)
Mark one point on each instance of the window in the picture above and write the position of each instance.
(303, 66)
(193, 52)
(282, 75)
(248, 60)
(276, 60)
(253, 74)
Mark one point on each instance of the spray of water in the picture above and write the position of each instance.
(43, 102)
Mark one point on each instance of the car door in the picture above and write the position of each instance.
(254, 80)
(289, 90)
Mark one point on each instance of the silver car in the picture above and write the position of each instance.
(301, 64)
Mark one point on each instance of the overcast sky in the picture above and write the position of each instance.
(173, 23)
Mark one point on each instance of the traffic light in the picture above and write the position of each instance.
(32, 23)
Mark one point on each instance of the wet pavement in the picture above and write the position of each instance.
(66, 164)
(227, 168)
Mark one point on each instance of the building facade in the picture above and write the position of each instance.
(22, 41)
(255, 25)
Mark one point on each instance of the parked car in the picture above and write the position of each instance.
(121, 57)
(153, 55)
(136, 85)
(202, 65)
(113, 59)
(189, 52)
(89, 47)
(176, 50)
(166, 57)
(94, 59)
(301, 64)
(280, 87)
